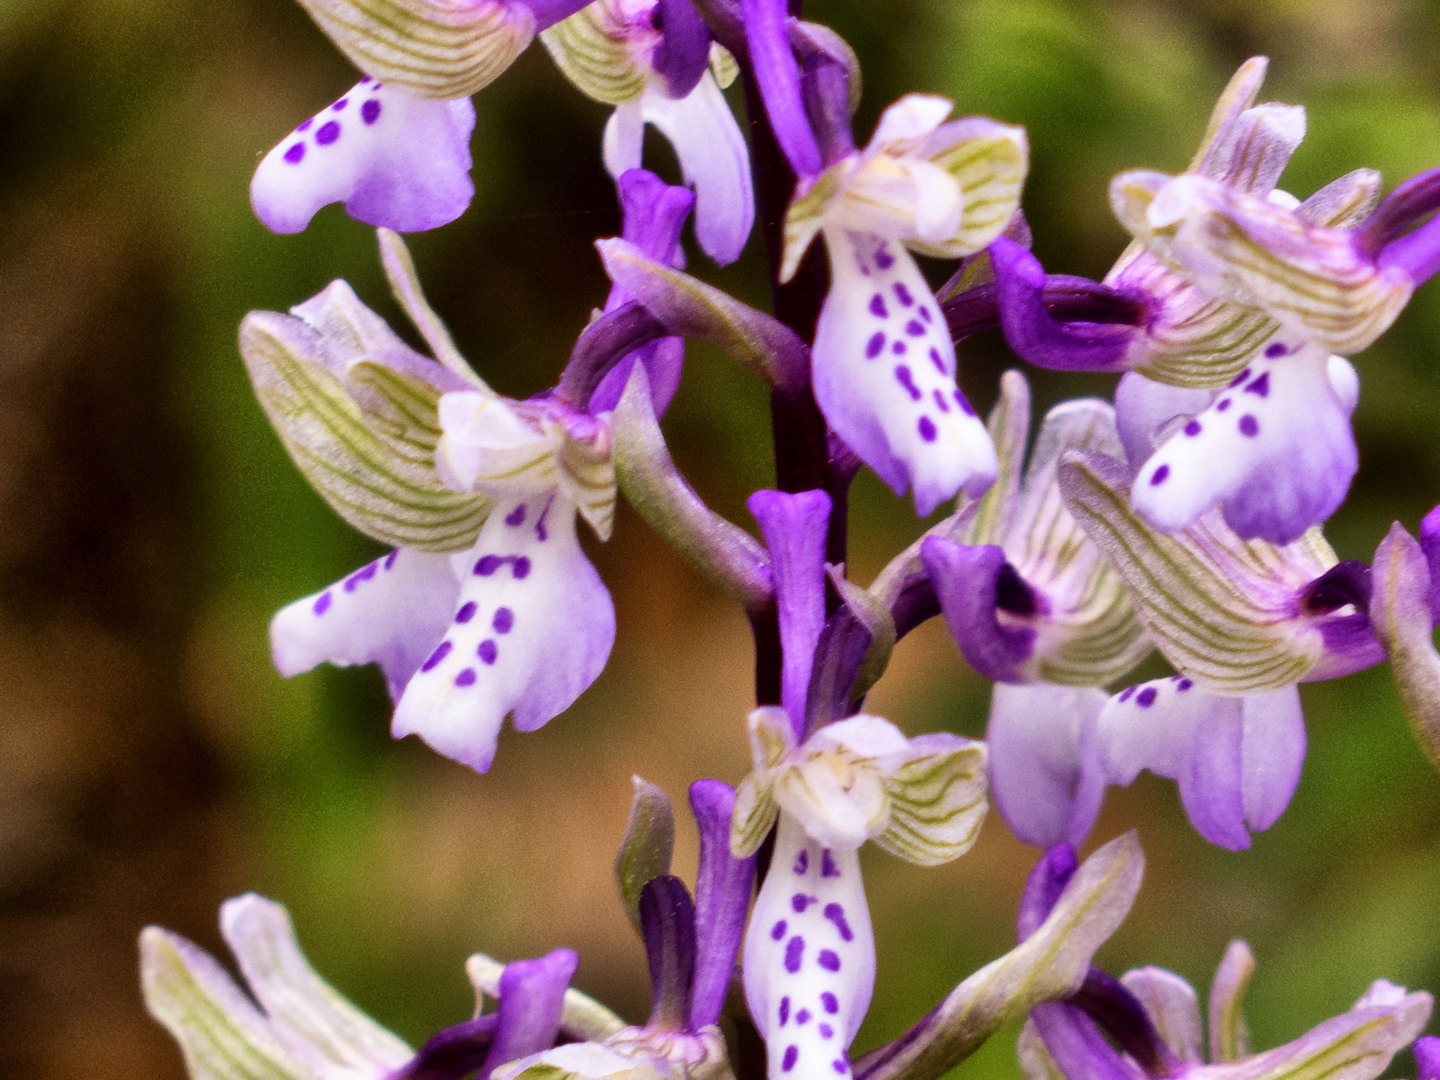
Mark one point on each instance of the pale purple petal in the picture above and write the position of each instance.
(884, 375)
(1427, 1058)
(1211, 788)
(532, 995)
(664, 363)
(549, 12)
(623, 144)
(1430, 545)
(683, 55)
(1146, 412)
(1272, 753)
(971, 583)
(532, 629)
(794, 527)
(1034, 333)
(722, 898)
(1046, 776)
(1077, 1046)
(652, 216)
(390, 612)
(778, 76)
(1256, 147)
(1275, 449)
(1047, 880)
(392, 158)
(713, 159)
(809, 957)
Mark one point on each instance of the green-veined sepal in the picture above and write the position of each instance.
(597, 49)
(937, 800)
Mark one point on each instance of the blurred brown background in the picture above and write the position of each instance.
(151, 761)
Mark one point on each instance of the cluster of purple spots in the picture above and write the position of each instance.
(365, 573)
(1146, 697)
(1183, 683)
(330, 130)
(836, 914)
(488, 564)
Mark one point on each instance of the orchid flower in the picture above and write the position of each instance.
(1154, 1018)
(395, 148)
(652, 60)
(1242, 622)
(883, 360)
(290, 1024)
(691, 948)
(1036, 607)
(809, 951)
(488, 606)
(1248, 295)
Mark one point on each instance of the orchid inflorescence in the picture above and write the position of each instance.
(1184, 516)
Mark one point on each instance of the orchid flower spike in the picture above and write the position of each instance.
(288, 1022)
(395, 149)
(1154, 1017)
(653, 60)
(488, 606)
(809, 958)
(883, 361)
(691, 948)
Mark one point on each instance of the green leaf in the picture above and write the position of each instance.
(1220, 609)
(722, 551)
(381, 478)
(689, 308)
(1050, 965)
(435, 49)
(648, 844)
(594, 57)
(1400, 614)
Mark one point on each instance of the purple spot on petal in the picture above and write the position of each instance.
(441, 651)
(938, 361)
(927, 429)
(295, 154)
(1146, 697)
(784, 1007)
(1249, 426)
(877, 307)
(516, 517)
(339, 106)
(1192, 428)
(1126, 694)
(903, 294)
(390, 559)
(802, 1017)
(827, 865)
(466, 612)
(964, 403)
(832, 1006)
(839, 1066)
(1158, 476)
(883, 259)
(322, 603)
(778, 931)
(940, 402)
(364, 79)
(794, 953)
(826, 1031)
(466, 677)
(914, 329)
(829, 961)
(487, 651)
(1223, 404)
(1185, 684)
(1238, 379)
(305, 126)
(836, 914)
(802, 862)
(521, 569)
(487, 565)
(328, 133)
(503, 621)
(874, 345)
(800, 902)
(925, 314)
(1260, 386)
(792, 1055)
(898, 348)
(370, 111)
(1275, 350)
(907, 380)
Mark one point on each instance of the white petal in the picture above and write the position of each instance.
(390, 612)
(392, 158)
(624, 142)
(714, 160)
(1045, 774)
(305, 1011)
(1272, 753)
(912, 117)
(1275, 448)
(1150, 726)
(884, 374)
(532, 631)
(809, 962)
(836, 813)
(486, 445)
(863, 735)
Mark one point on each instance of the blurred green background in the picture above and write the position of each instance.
(151, 761)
